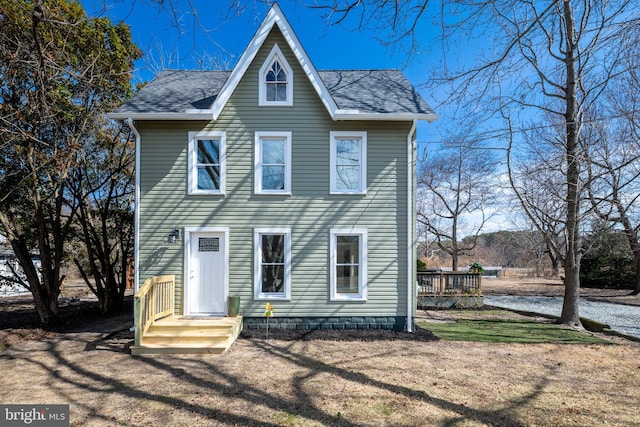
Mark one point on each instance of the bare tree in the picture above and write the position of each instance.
(103, 185)
(537, 177)
(454, 184)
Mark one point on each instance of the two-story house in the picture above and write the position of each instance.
(277, 182)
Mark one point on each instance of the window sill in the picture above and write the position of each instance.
(348, 193)
(339, 298)
(271, 297)
(273, 193)
(206, 193)
(275, 104)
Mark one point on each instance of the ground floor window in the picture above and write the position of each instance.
(348, 264)
(272, 275)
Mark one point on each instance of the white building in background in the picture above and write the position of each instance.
(8, 267)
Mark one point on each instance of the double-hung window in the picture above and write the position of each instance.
(348, 270)
(272, 263)
(272, 163)
(276, 80)
(348, 162)
(207, 162)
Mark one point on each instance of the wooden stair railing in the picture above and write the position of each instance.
(153, 301)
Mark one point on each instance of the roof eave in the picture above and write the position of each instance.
(385, 116)
(162, 116)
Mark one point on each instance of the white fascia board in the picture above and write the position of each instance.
(353, 115)
(201, 115)
(305, 62)
(274, 17)
(242, 66)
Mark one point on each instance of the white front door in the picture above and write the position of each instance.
(206, 264)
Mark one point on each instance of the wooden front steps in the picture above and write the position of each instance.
(189, 335)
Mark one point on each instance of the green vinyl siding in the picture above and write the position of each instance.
(310, 211)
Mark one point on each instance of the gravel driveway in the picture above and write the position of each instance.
(621, 318)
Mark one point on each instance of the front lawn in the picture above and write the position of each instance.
(509, 331)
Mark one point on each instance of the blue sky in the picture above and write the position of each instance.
(328, 46)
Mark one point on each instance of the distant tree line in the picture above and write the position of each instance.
(608, 262)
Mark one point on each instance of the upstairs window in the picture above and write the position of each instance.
(273, 163)
(348, 162)
(207, 162)
(276, 80)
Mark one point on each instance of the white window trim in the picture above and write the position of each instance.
(275, 53)
(362, 279)
(257, 264)
(192, 181)
(333, 160)
(257, 170)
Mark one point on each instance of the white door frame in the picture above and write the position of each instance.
(187, 260)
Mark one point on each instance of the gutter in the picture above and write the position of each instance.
(338, 115)
(206, 115)
(411, 226)
(136, 228)
(357, 115)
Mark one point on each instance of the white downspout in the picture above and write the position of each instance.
(136, 220)
(411, 226)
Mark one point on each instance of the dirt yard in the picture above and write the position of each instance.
(385, 380)
(551, 287)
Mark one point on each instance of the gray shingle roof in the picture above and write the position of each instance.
(368, 91)
(176, 91)
(374, 91)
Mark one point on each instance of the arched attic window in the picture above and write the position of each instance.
(276, 80)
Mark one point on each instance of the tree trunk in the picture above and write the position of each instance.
(636, 289)
(555, 265)
(454, 261)
(112, 297)
(46, 307)
(454, 245)
(45, 298)
(570, 307)
(109, 300)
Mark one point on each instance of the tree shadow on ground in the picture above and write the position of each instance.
(75, 315)
(75, 378)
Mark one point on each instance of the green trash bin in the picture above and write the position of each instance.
(233, 306)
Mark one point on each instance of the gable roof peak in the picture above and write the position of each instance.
(274, 17)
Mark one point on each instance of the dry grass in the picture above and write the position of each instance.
(400, 382)
(259, 382)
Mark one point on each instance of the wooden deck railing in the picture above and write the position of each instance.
(444, 283)
(153, 301)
